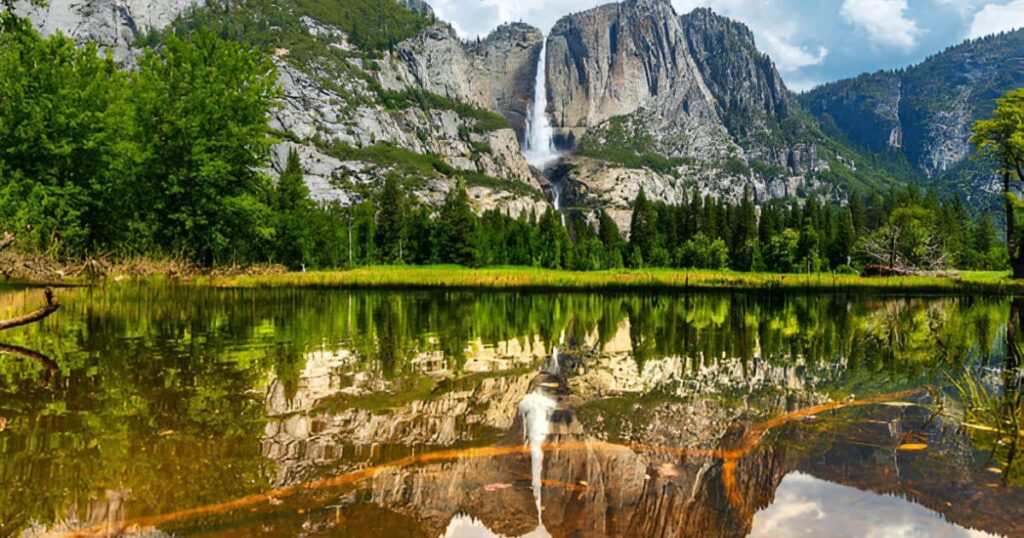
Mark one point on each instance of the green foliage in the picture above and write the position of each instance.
(202, 111)
(160, 160)
(404, 162)
(736, 167)
(455, 233)
(619, 141)
(296, 236)
(701, 252)
(485, 120)
(391, 226)
(373, 25)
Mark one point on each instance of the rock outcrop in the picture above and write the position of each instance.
(619, 59)
(113, 24)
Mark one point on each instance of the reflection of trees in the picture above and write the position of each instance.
(42, 313)
(993, 409)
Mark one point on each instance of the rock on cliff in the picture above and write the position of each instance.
(924, 112)
(619, 59)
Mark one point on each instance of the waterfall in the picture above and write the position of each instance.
(556, 198)
(539, 148)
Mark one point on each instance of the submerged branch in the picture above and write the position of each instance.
(43, 360)
(51, 306)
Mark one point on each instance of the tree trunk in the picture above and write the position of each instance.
(1014, 250)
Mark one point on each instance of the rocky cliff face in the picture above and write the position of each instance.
(621, 59)
(636, 78)
(496, 73)
(926, 111)
(485, 75)
(113, 24)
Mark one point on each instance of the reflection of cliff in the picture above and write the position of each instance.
(329, 419)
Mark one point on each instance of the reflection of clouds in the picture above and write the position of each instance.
(463, 526)
(807, 506)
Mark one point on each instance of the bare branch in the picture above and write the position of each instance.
(51, 306)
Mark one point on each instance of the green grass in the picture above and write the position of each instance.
(996, 283)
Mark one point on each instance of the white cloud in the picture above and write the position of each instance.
(777, 36)
(885, 21)
(995, 18)
(788, 57)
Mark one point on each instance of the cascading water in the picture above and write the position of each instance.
(540, 148)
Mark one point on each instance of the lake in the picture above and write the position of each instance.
(167, 409)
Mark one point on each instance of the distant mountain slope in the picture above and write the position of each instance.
(924, 113)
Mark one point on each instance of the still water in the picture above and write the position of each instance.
(176, 410)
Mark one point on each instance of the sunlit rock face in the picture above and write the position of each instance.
(496, 73)
(636, 76)
(617, 59)
(491, 75)
(112, 24)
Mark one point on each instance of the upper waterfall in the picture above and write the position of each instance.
(539, 149)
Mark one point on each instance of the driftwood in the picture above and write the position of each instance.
(878, 270)
(51, 306)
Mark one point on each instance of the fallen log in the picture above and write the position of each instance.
(51, 306)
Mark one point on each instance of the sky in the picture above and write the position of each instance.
(811, 41)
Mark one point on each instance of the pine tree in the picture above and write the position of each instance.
(294, 237)
(456, 229)
(391, 222)
(643, 234)
(842, 245)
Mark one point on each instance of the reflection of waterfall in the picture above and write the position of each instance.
(552, 365)
(535, 410)
(539, 147)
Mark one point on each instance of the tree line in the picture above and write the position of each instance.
(905, 229)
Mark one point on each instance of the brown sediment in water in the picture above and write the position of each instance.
(730, 459)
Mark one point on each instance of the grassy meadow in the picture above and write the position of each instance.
(618, 280)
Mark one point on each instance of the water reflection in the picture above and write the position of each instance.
(462, 414)
(805, 505)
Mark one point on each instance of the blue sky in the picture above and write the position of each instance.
(811, 41)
